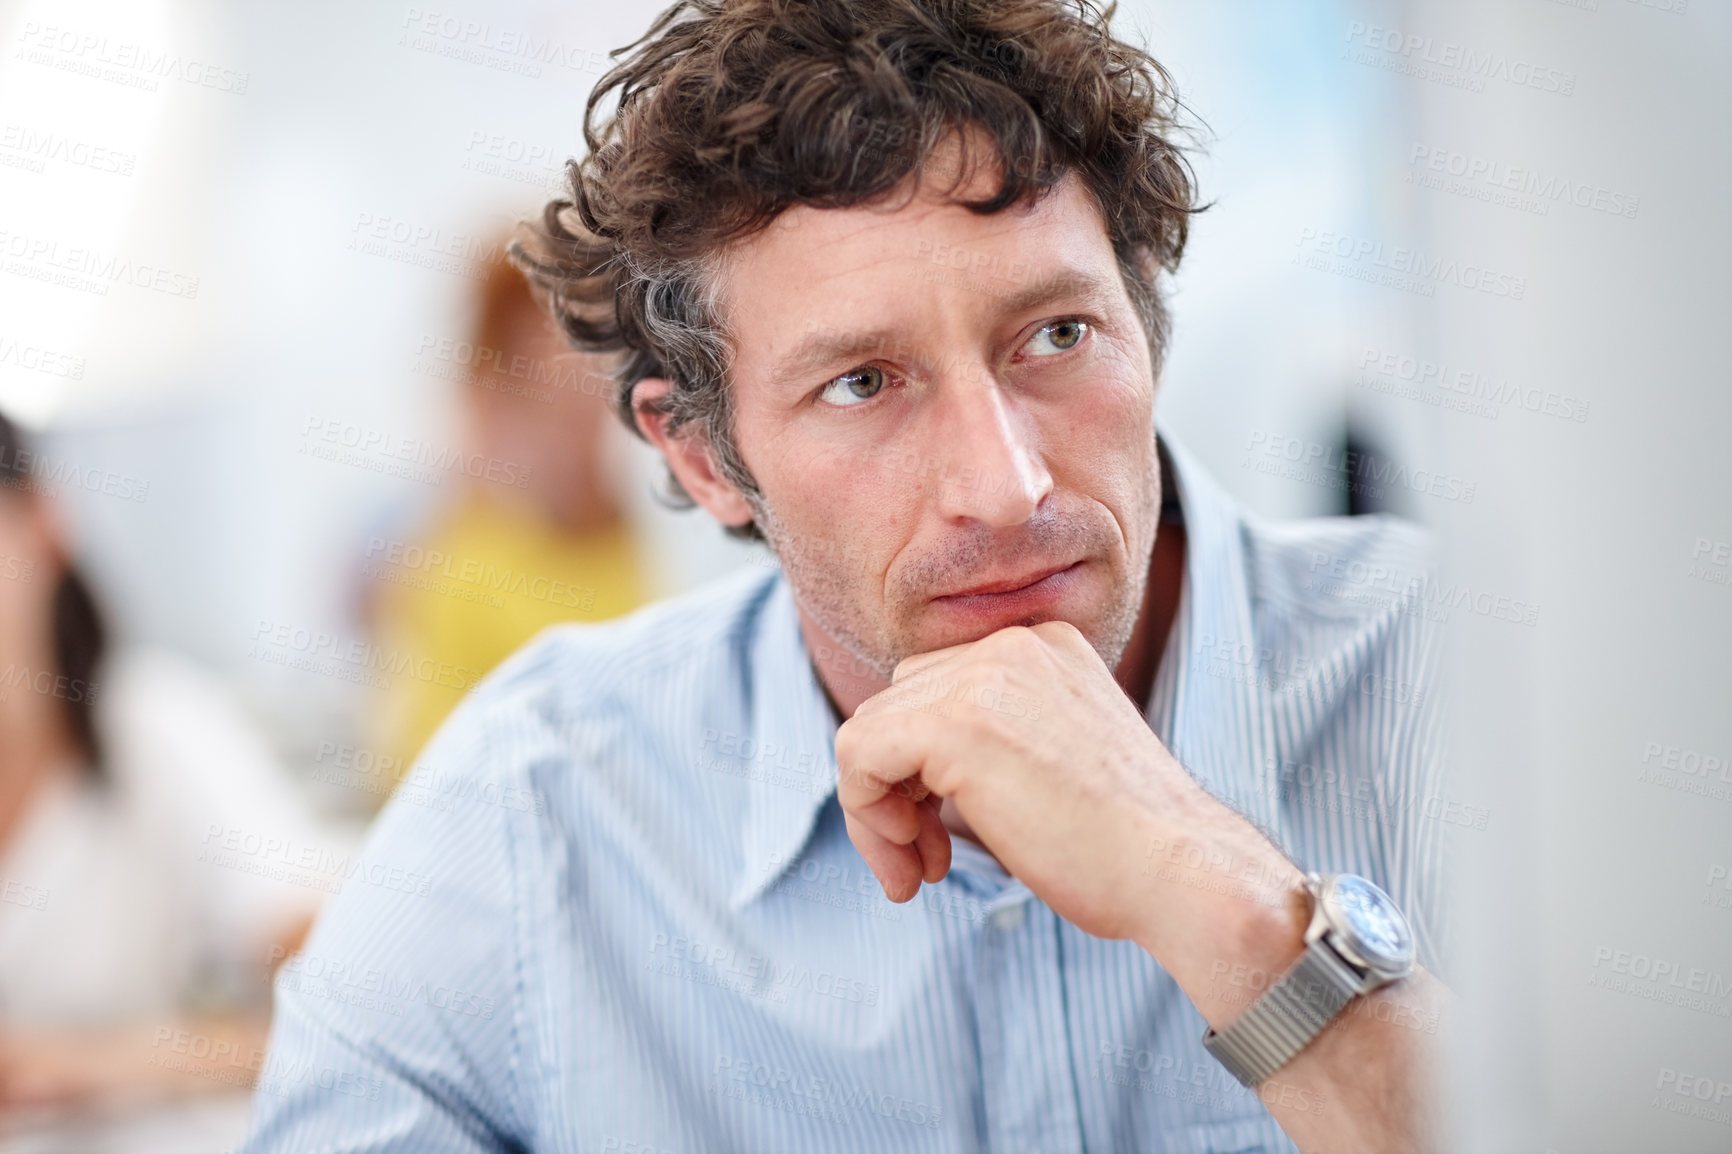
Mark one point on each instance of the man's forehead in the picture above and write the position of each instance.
(907, 225)
(837, 276)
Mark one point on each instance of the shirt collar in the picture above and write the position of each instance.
(1214, 725)
(794, 729)
(1216, 722)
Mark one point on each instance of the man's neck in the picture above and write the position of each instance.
(1142, 657)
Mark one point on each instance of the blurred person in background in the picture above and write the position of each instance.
(135, 942)
(534, 536)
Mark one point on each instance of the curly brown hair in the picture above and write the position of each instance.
(732, 111)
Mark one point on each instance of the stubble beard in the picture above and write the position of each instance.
(826, 593)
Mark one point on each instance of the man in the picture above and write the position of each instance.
(885, 273)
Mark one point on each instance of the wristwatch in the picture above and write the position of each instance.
(1357, 941)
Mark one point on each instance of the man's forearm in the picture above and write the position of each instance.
(1226, 914)
(1094, 815)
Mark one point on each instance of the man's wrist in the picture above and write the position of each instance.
(1223, 911)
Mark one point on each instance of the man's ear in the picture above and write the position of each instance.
(688, 455)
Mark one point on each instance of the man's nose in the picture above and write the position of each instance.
(992, 471)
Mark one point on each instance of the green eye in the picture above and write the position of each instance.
(1060, 336)
(852, 387)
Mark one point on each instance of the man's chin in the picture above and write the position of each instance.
(947, 632)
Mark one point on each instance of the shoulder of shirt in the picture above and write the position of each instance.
(1347, 593)
(1343, 569)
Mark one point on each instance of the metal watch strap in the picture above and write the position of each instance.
(1290, 1013)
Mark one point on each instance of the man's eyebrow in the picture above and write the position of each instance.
(828, 346)
(1072, 284)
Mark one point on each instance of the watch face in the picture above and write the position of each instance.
(1374, 928)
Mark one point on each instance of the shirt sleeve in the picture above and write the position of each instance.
(1420, 789)
(397, 1026)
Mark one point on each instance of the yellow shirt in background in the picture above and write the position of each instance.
(487, 579)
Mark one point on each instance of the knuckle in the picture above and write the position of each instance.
(1058, 631)
(1006, 645)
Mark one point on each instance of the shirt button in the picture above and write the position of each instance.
(1008, 918)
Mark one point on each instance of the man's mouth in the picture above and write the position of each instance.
(1011, 584)
(1026, 591)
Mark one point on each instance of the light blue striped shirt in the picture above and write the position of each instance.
(644, 928)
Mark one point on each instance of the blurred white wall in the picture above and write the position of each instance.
(1602, 182)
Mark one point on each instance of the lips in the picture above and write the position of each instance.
(1011, 584)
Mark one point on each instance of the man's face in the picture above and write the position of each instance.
(950, 418)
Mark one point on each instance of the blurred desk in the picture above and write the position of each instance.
(213, 1125)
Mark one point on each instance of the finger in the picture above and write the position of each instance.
(877, 756)
(932, 843)
(1058, 629)
(878, 753)
(1065, 637)
(895, 817)
(920, 662)
(897, 867)
(916, 690)
(858, 786)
